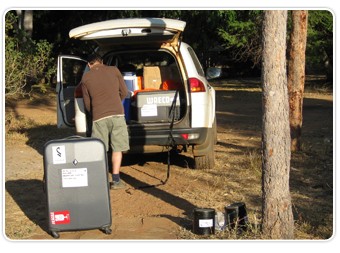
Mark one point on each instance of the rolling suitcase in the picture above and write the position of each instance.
(77, 185)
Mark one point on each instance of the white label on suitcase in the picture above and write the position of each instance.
(58, 154)
(149, 110)
(74, 177)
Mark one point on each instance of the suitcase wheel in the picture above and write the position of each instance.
(55, 234)
(107, 231)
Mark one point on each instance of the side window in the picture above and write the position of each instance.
(196, 61)
(73, 70)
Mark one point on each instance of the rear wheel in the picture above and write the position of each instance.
(206, 160)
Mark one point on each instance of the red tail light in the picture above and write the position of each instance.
(185, 136)
(78, 92)
(196, 85)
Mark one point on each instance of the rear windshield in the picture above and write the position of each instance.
(136, 61)
(154, 70)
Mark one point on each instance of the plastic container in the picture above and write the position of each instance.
(204, 221)
(131, 82)
(219, 221)
(140, 82)
(155, 106)
(236, 215)
(126, 104)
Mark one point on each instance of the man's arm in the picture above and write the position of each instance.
(86, 98)
(123, 90)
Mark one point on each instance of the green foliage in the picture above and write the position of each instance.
(320, 29)
(28, 63)
(241, 33)
(319, 52)
(230, 38)
(15, 62)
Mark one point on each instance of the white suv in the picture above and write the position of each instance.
(171, 103)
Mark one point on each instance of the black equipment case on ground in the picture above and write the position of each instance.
(76, 185)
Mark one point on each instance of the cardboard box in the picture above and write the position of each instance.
(152, 77)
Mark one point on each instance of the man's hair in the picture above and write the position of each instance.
(92, 58)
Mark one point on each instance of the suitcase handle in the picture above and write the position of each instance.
(73, 137)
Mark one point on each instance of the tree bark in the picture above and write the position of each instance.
(277, 213)
(296, 74)
(28, 22)
(25, 21)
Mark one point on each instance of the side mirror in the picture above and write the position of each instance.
(213, 73)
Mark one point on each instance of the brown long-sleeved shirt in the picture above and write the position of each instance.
(103, 91)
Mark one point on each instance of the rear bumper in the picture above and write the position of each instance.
(141, 137)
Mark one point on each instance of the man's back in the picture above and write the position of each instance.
(103, 90)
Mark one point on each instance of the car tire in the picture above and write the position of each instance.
(207, 161)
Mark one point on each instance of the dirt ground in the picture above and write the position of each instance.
(165, 211)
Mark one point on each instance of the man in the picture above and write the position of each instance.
(103, 91)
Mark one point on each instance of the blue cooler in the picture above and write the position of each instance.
(131, 83)
(130, 79)
(126, 104)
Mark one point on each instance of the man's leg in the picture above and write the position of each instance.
(119, 143)
(116, 162)
(117, 183)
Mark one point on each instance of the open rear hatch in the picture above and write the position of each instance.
(149, 47)
(132, 31)
(154, 85)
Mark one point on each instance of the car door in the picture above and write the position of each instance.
(70, 70)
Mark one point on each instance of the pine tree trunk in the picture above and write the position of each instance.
(28, 22)
(277, 213)
(296, 74)
(25, 21)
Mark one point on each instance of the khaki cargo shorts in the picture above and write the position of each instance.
(112, 131)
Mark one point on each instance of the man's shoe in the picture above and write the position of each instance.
(117, 185)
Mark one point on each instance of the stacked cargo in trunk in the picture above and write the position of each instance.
(154, 97)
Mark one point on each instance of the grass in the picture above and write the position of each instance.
(35, 134)
(312, 196)
(238, 171)
(15, 127)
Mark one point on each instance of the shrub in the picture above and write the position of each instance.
(28, 63)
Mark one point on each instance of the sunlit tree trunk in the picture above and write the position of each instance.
(277, 213)
(296, 74)
(25, 21)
